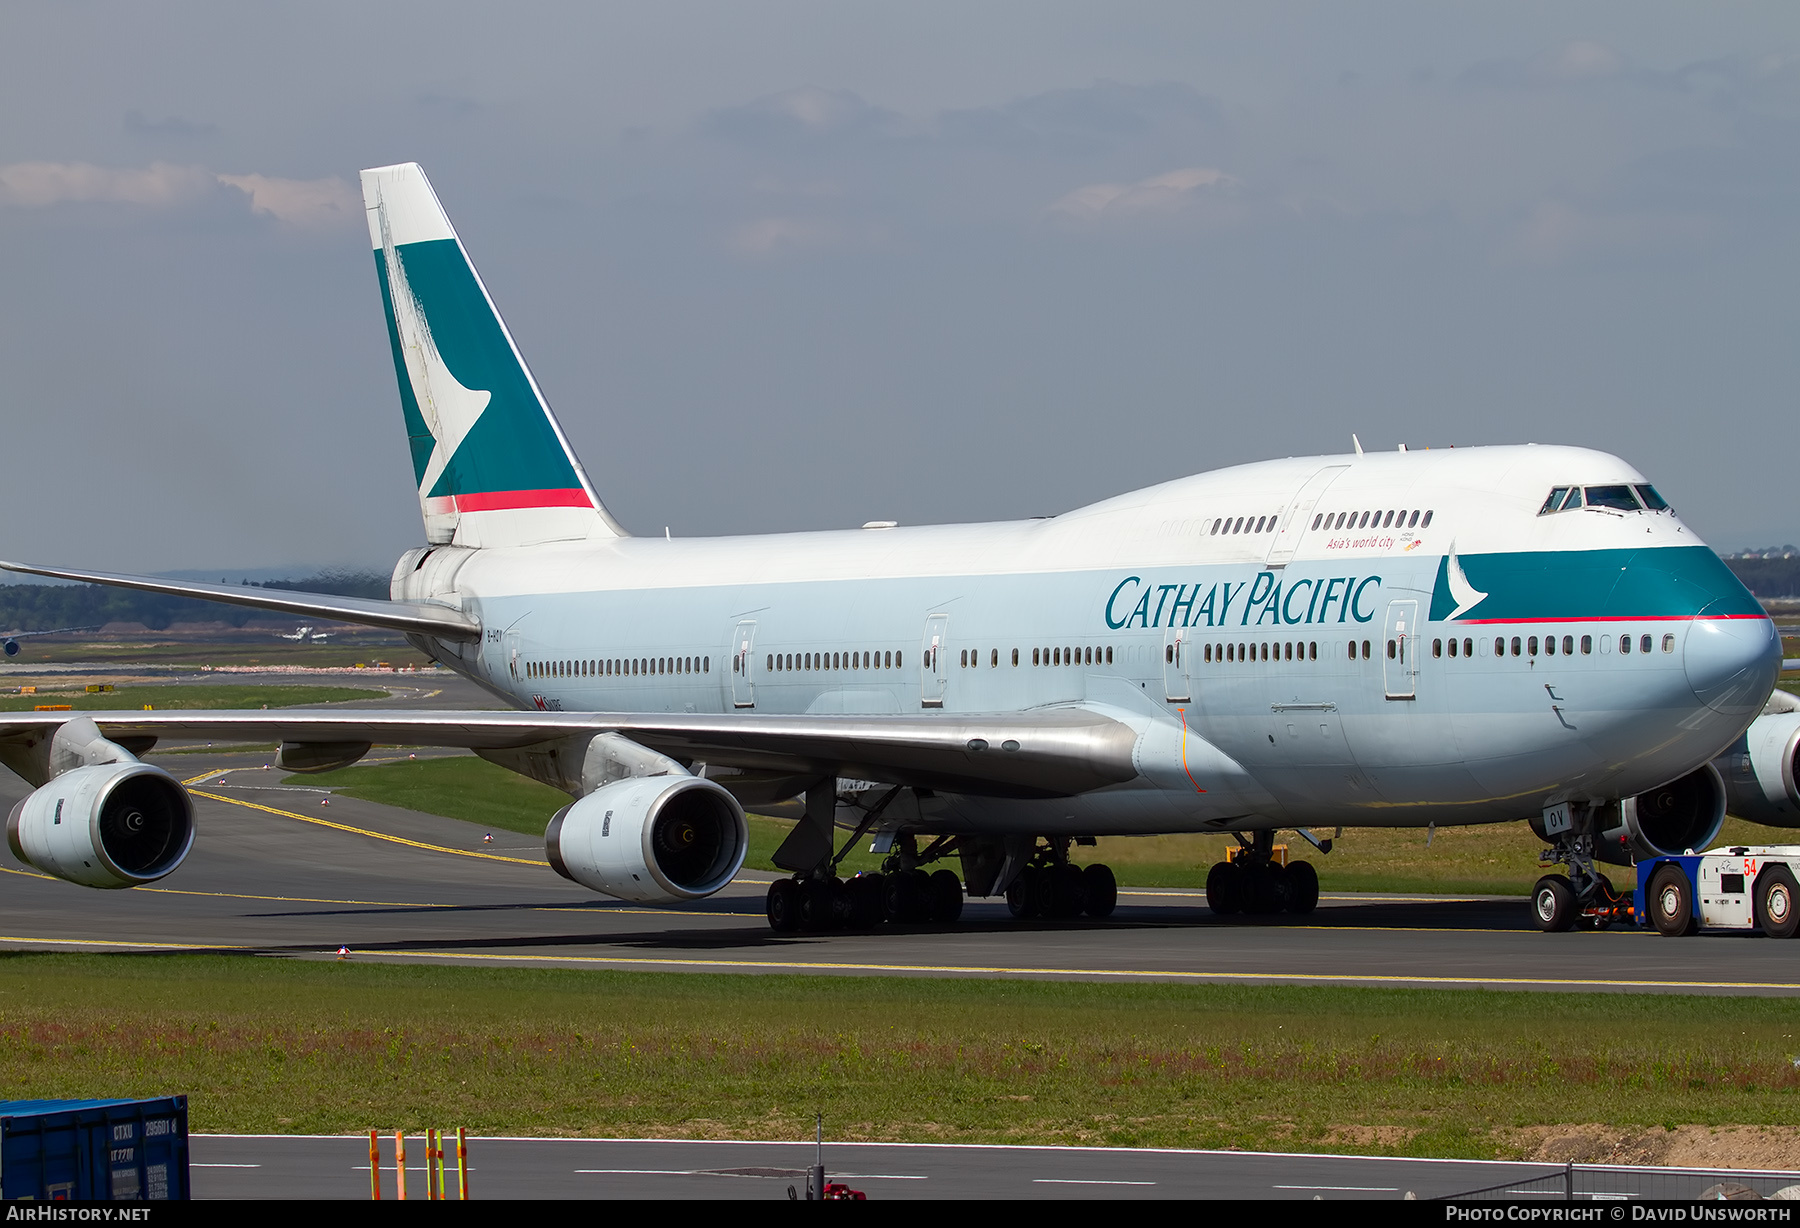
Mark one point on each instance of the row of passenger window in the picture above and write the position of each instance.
(783, 662)
(1243, 524)
(1287, 650)
(970, 658)
(1401, 519)
(1528, 647)
(618, 667)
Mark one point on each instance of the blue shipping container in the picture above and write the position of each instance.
(94, 1150)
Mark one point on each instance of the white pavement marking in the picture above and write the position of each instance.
(1364, 1189)
(1077, 1181)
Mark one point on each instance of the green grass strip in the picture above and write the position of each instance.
(268, 1045)
(131, 698)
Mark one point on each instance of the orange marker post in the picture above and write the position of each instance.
(374, 1168)
(400, 1164)
(462, 1164)
(431, 1189)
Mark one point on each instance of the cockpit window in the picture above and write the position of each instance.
(1619, 498)
(1652, 500)
(1573, 501)
(1554, 502)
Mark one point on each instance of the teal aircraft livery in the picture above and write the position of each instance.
(1396, 639)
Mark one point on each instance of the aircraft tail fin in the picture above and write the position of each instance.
(492, 464)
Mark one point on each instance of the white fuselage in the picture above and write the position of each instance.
(1303, 674)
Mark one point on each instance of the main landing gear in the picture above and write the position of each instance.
(905, 892)
(1256, 883)
(1048, 886)
(902, 892)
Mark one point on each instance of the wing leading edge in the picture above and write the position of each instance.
(1050, 752)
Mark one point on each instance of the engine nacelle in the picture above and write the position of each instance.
(1762, 771)
(652, 839)
(1683, 814)
(104, 825)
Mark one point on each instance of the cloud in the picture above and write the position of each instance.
(1555, 231)
(299, 202)
(1581, 60)
(1167, 193)
(808, 114)
(773, 236)
(41, 184)
(162, 185)
(139, 124)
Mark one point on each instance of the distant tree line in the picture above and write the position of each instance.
(47, 607)
(1770, 576)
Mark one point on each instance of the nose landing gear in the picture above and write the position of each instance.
(1586, 898)
(1256, 882)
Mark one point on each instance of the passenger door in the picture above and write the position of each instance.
(1400, 669)
(1176, 687)
(932, 666)
(743, 682)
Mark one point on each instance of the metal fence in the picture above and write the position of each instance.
(1570, 1182)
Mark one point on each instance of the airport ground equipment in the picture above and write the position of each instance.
(94, 1150)
(437, 1177)
(1745, 887)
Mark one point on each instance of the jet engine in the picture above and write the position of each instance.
(1684, 814)
(1762, 770)
(104, 825)
(653, 839)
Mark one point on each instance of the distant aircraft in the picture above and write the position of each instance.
(1405, 639)
(10, 643)
(306, 635)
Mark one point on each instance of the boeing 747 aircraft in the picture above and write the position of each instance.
(1403, 639)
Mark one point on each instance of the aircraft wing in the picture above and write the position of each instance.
(416, 616)
(1048, 752)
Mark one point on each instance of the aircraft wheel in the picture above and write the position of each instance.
(868, 900)
(1102, 890)
(946, 896)
(1068, 893)
(1267, 889)
(1225, 888)
(783, 906)
(817, 896)
(1671, 901)
(1553, 904)
(1018, 895)
(1775, 904)
(1303, 888)
(906, 899)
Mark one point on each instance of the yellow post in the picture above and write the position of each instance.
(374, 1168)
(400, 1164)
(443, 1190)
(462, 1164)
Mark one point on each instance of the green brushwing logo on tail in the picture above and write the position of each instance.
(480, 438)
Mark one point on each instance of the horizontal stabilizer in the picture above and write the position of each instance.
(421, 618)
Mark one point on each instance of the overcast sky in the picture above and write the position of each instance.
(803, 265)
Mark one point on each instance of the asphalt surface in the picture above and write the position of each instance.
(290, 870)
(311, 1166)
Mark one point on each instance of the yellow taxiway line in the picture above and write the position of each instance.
(363, 831)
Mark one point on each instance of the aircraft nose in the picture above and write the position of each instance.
(1731, 663)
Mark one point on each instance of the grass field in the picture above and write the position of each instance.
(287, 1046)
(1500, 859)
(55, 650)
(128, 698)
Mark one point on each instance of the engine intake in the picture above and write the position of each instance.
(1684, 814)
(105, 825)
(1762, 771)
(651, 839)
